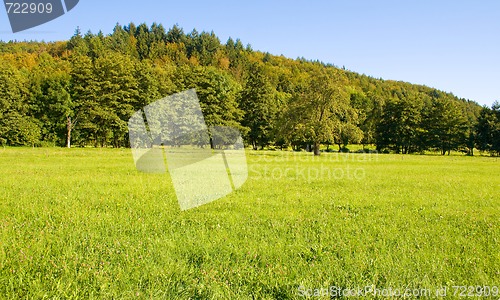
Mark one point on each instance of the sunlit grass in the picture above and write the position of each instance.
(83, 223)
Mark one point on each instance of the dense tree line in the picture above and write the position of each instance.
(83, 91)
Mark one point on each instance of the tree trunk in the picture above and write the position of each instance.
(316, 149)
(69, 127)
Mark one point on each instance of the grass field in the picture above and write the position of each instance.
(83, 223)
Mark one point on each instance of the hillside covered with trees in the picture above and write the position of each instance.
(83, 91)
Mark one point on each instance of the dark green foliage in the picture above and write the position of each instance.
(85, 90)
(399, 127)
(17, 125)
(19, 130)
(204, 46)
(117, 90)
(256, 100)
(445, 126)
(217, 92)
(488, 129)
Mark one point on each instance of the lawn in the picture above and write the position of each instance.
(83, 223)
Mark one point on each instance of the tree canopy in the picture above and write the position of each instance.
(83, 91)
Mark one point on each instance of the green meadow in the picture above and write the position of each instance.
(84, 224)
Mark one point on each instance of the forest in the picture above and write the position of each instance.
(82, 92)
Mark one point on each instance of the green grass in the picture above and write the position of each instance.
(83, 223)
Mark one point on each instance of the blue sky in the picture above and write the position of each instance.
(450, 45)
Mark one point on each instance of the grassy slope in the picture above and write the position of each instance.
(84, 223)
